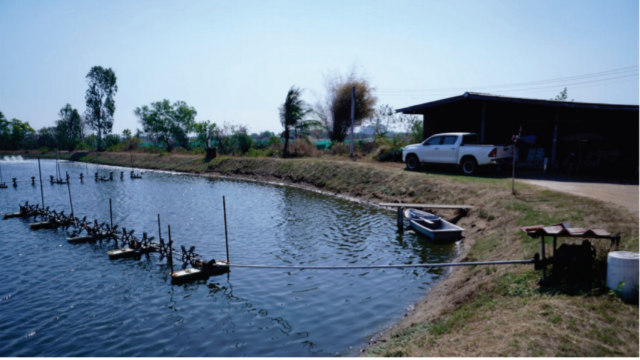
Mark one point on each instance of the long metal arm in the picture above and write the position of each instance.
(510, 262)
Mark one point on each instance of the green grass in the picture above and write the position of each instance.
(560, 312)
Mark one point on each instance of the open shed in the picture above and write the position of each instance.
(602, 136)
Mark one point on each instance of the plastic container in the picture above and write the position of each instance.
(622, 267)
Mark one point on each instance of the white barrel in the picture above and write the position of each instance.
(622, 267)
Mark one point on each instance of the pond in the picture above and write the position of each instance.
(59, 299)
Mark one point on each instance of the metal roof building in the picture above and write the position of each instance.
(605, 136)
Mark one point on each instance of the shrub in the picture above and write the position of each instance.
(197, 151)
(226, 145)
(388, 153)
(154, 150)
(303, 148)
(338, 148)
(244, 142)
(369, 147)
(111, 140)
(256, 153)
(83, 146)
(178, 150)
(132, 144)
(274, 140)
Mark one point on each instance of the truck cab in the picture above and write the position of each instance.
(461, 149)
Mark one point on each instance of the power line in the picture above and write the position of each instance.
(570, 78)
(519, 90)
(578, 83)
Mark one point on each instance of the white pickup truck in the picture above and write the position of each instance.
(462, 149)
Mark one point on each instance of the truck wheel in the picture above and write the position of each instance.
(413, 163)
(469, 166)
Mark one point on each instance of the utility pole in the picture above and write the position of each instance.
(513, 176)
(353, 113)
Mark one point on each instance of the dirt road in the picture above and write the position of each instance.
(623, 195)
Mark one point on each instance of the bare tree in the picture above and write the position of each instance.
(334, 110)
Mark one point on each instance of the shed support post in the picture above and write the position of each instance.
(544, 266)
(555, 143)
(482, 125)
(427, 126)
(400, 219)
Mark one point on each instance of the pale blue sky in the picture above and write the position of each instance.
(235, 60)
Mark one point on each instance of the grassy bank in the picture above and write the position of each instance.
(479, 311)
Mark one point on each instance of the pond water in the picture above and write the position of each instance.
(58, 299)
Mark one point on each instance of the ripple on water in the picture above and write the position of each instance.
(71, 300)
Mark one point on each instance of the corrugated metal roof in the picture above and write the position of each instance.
(500, 98)
(562, 231)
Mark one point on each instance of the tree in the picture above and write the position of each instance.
(20, 131)
(162, 120)
(382, 120)
(46, 137)
(562, 96)
(292, 113)
(69, 127)
(266, 135)
(100, 100)
(183, 123)
(335, 109)
(5, 132)
(126, 135)
(206, 131)
(243, 142)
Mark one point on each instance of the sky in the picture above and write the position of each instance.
(234, 61)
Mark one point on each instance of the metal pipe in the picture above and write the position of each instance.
(400, 219)
(159, 232)
(509, 262)
(513, 168)
(226, 237)
(41, 191)
(69, 188)
(111, 212)
(353, 107)
(170, 251)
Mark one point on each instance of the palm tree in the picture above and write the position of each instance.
(292, 113)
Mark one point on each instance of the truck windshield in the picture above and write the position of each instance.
(470, 139)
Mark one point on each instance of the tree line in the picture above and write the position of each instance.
(173, 125)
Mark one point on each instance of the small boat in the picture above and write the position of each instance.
(13, 215)
(133, 175)
(200, 271)
(122, 253)
(432, 226)
(130, 252)
(42, 225)
(81, 239)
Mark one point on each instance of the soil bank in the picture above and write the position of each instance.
(475, 311)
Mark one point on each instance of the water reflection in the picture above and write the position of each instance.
(79, 303)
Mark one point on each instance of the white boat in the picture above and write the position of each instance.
(432, 226)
